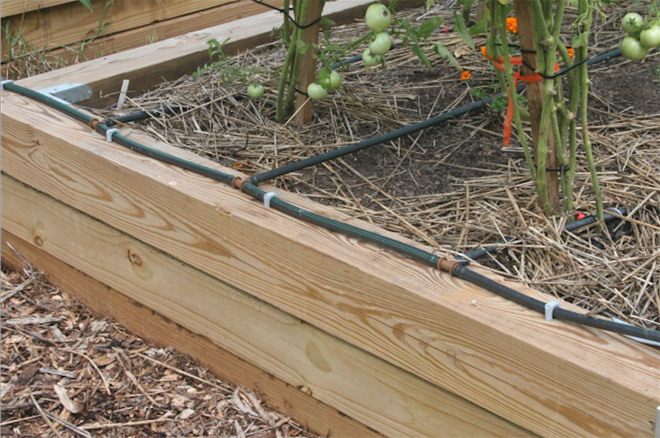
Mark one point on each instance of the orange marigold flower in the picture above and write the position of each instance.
(484, 53)
(465, 75)
(511, 24)
(571, 53)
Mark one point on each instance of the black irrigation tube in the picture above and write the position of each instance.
(426, 257)
(480, 252)
(141, 115)
(397, 133)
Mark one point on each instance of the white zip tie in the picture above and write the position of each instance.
(6, 81)
(267, 197)
(550, 309)
(108, 134)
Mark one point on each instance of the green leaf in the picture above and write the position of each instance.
(421, 55)
(87, 4)
(429, 3)
(444, 53)
(301, 48)
(461, 29)
(326, 22)
(427, 27)
(579, 40)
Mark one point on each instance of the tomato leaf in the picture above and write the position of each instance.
(427, 27)
(461, 29)
(87, 4)
(417, 50)
(445, 53)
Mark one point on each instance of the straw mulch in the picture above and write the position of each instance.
(453, 187)
(66, 373)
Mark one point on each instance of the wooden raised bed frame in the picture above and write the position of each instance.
(340, 334)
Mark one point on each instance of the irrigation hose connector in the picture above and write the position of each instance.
(237, 182)
(93, 123)
(447, 265)
(267, 197)
(550, 307)
(109, 133)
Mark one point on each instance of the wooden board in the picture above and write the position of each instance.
(15, 7)
(162, 30)
(70, 23)
(174, 57)
(381, 396)
(153, 327)
(552, 378)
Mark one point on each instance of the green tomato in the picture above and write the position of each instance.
(651, 36)
(632, 49)
(316, 91)
(631, 22)
(369, 58)
(381, 44)
(335, 80)
(378, 17)
(255, 91)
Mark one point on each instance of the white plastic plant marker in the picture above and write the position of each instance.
(122, 94)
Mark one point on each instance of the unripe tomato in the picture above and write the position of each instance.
(378, 17)
(381, 44)
(316, 91)
(255, 91)
(631, 22)
(335, 80)
(651, 36)
(633, 49)
(369, 58)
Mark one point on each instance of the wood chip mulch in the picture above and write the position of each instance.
(66, 372)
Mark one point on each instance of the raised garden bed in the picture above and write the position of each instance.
(425, 351)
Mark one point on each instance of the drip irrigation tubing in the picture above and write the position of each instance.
(480, 252)
(428, 258)
(141, 115)
(397, 133)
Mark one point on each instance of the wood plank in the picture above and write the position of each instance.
(160, 31)
(153, 327)
(174, 57)
(384, 397)
(16, 7)
(70, 23)
(552, 378)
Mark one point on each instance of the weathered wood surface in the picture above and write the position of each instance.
(162, 30)
(69, 23)
(154, 327)
(552, 378)
(174, 57)
(16, 7)
(379, 395)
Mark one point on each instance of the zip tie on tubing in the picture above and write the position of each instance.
(397, 133)
(442, 263)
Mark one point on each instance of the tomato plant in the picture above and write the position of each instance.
(651, 37)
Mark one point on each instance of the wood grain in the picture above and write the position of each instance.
(71, 23)
(552, 378)
(383, 397)
(174, 57)
(15, 7)
(153, 327)
(162, 30)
